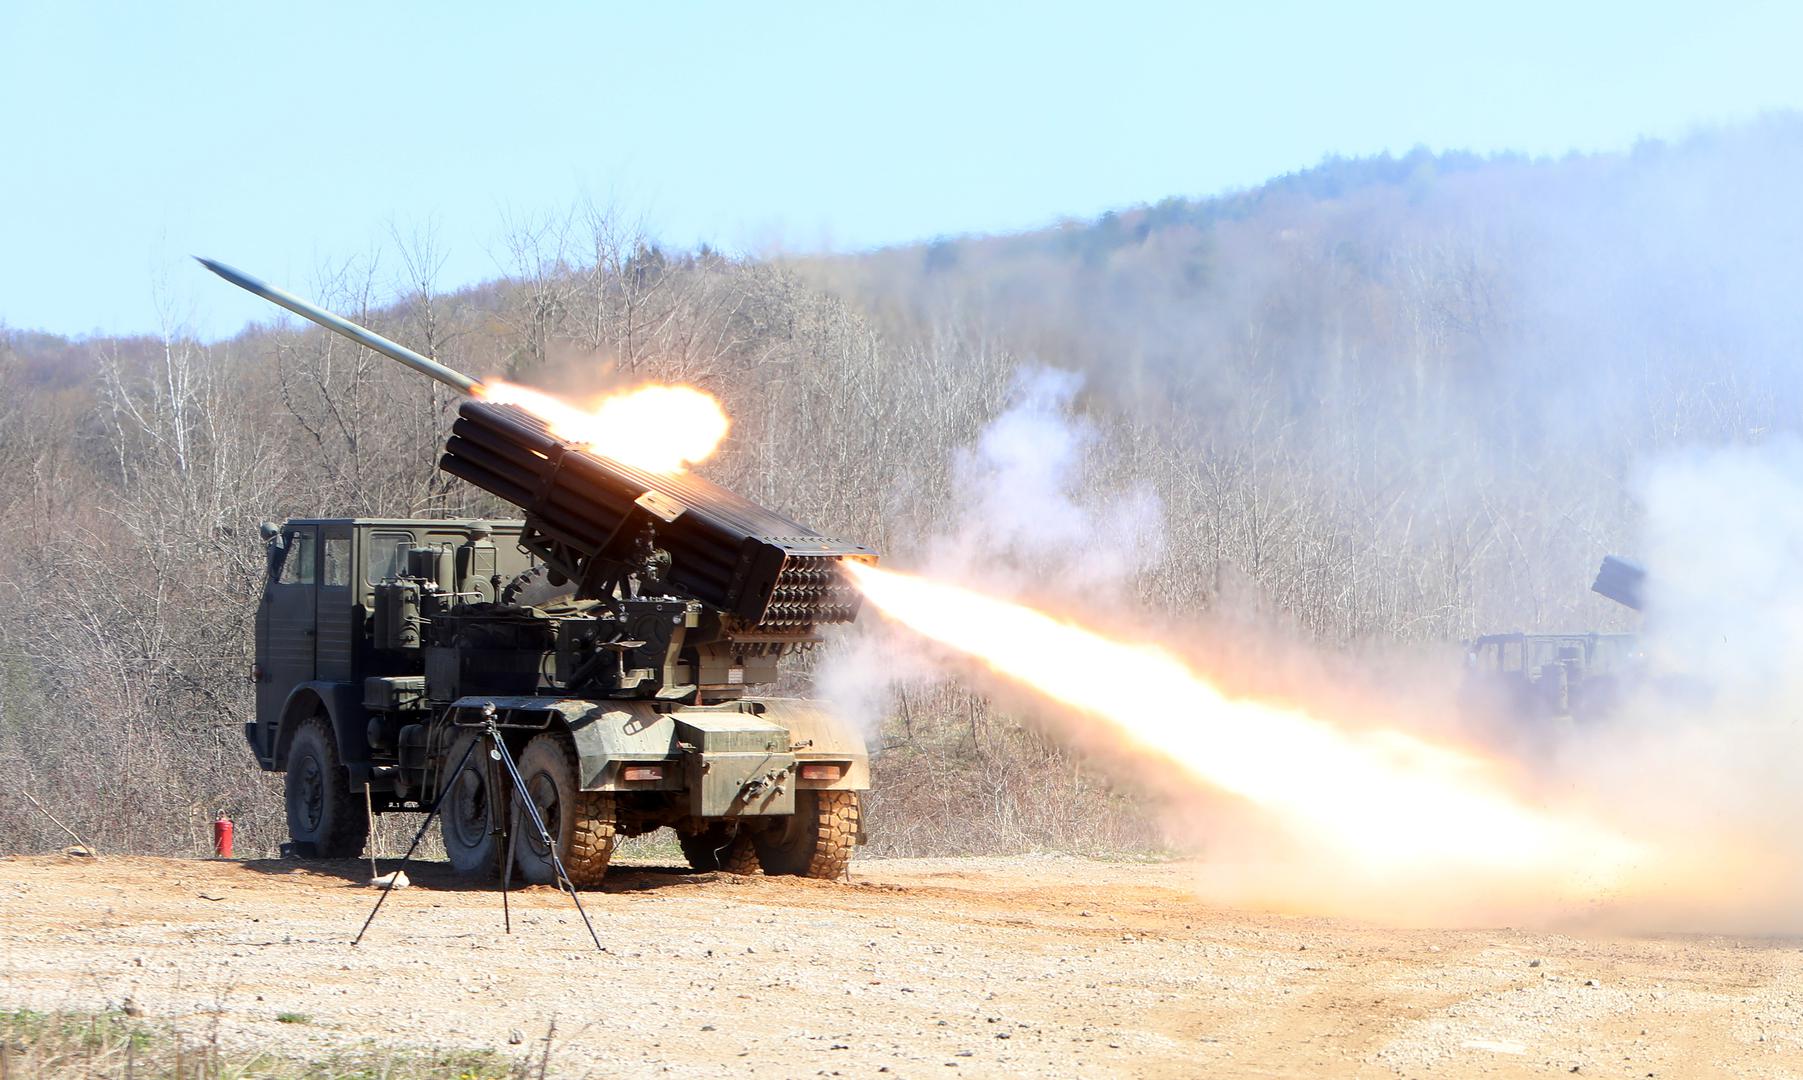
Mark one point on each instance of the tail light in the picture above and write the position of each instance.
(642, 772)
(822, 772)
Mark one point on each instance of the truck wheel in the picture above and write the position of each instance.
(324, 819)
(817, 840)
(720, 847)
(581, 822)
(470, 817)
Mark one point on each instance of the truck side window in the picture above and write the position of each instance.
(388, 555)
(337, 569)
(297, 564)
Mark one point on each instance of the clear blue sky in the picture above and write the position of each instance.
(282, 137)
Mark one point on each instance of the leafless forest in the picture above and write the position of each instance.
(1384, 400)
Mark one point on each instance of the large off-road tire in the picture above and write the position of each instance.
(817, 841)
(720, 847)
(581, 822)
(325, 818)
(472, 813)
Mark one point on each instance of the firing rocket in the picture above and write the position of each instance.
(451, 377)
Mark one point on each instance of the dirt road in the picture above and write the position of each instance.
(1020, 966)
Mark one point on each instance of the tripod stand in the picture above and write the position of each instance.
(498, 759)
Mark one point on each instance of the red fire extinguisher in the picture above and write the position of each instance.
(222, 837)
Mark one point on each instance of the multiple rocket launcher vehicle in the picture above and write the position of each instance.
(616, 631)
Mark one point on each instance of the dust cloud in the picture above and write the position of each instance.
(1672, 814)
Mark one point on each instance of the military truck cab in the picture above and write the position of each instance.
(315, 640)
(384, 644)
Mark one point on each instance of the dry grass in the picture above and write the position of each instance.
(957, 776)
(115, 1046)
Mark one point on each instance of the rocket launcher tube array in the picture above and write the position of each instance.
(727, 551)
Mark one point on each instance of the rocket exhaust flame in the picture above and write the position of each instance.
(1383, 802)
(652, 427)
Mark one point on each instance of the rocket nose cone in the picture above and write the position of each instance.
(237, 277)
(216, 267)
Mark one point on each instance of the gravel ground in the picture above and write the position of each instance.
(1030, 966)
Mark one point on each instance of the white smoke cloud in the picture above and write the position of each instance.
(1018, 507)
(1724, 536)
(1021, 518)
(1703, 758)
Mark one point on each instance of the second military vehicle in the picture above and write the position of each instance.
(1547, 676)
(1581, 676)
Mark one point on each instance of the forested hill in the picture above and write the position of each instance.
(1455, 261)
(1391, 399)
(1446, 363)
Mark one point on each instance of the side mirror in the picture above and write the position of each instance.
(269, 530)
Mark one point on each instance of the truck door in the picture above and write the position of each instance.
(338, 616)
(286, 631)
